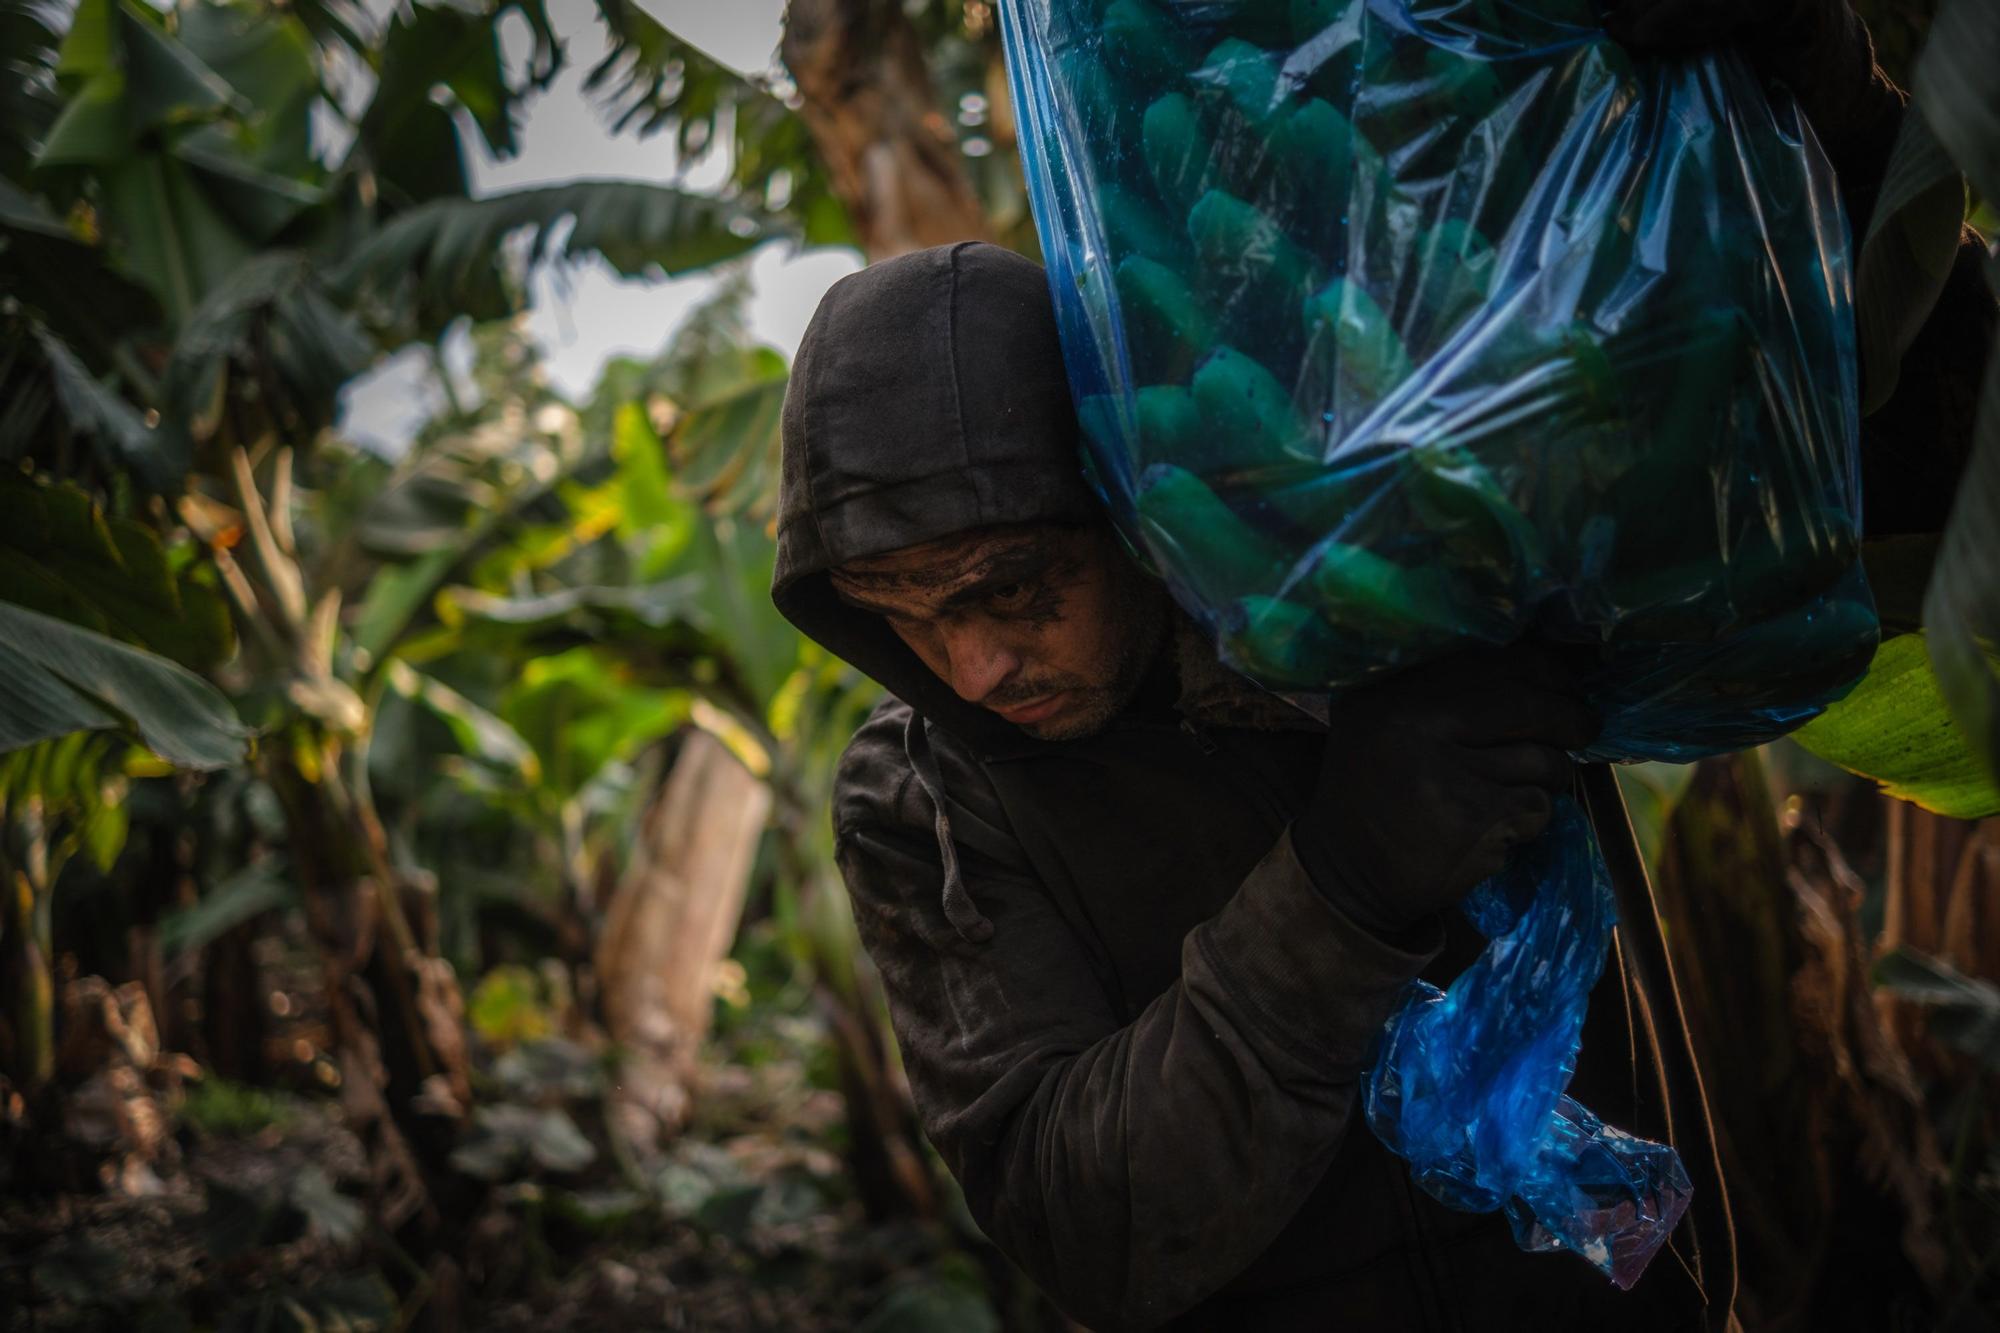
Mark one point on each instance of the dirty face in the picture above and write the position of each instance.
(1051, 628)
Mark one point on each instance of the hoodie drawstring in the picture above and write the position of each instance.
(959, 909)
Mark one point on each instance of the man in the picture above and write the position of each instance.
(1138, 921)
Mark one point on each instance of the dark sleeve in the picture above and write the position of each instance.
(1130, 1168)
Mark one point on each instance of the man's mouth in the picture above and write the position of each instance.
(1033, 711)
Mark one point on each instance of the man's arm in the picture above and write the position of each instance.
(1131, 1169)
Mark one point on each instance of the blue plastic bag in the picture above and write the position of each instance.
(1468, 1085)
(1396, 327)
(1399, 326)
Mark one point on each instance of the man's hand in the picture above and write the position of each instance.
(1819, 49)
(1689, 27)
(1432, 776)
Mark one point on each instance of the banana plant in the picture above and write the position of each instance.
(195, 269)
(630, 599)
(73, 703)
(1926, 720)
(100, 640)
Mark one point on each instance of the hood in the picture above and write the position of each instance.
(928, 398)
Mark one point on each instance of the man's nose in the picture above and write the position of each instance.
(978, 660)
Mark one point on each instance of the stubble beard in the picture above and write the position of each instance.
(1141, 610)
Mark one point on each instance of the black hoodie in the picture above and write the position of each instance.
(927, 398)
(1131, 1023)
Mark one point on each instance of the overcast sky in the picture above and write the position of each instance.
(585, 314)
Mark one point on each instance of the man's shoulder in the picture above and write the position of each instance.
(875, 785)
(874, 782)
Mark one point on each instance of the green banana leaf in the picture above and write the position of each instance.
(56, 678)
(637, 228)
(1895, 729)
(60, 555)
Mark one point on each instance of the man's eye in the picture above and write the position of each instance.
(1010, 596)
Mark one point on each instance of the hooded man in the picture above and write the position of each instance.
(1137, 920)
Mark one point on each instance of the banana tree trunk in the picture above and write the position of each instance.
(672, 920)
(1943, 888)
(397, 1017)
(884, 1143)
(26, 987)
(868, 100)
(233, 1024)
(1819, 1123)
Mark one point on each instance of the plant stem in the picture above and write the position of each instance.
(29, 987)
(281, 574)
